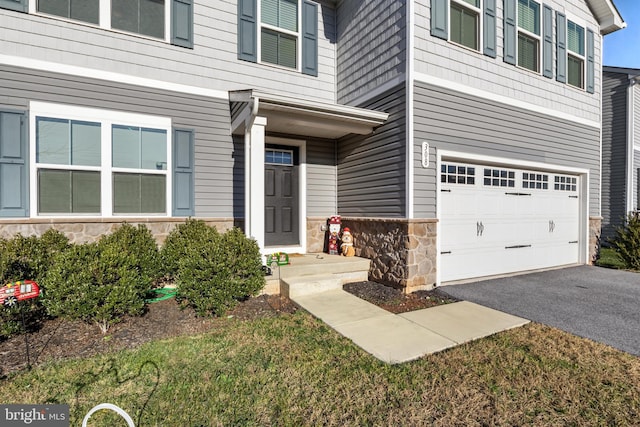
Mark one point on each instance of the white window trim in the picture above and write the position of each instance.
(583, 58)
(479, 11)
(519, 29)
(105, 19)
(106, 118)
(297, 35)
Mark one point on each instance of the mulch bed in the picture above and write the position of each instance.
(61, 339)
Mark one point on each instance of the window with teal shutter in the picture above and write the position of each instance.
(529, 35)
(465, 23)
(17, 5)
(14, 164)
(279, 32)
(575, 54)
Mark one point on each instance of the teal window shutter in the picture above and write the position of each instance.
(489, 28)
(547, 42)
(440, 19)
(19, 5)
(182, 23)
(248, 30)
(561, 48)
(510, 32)
(590, 62)
(183, 172)
(309, 38)
(14, 200)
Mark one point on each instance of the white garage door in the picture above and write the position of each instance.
(497, 220)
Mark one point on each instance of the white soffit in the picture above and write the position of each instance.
(607, 15)
(314, 119)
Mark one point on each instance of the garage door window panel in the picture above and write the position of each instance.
(535, 181)
(457, 174)
(499, 178)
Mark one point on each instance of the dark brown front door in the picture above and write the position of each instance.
(281, 196)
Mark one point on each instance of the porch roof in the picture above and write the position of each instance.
(302, 117)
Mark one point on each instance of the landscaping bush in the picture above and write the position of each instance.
(102, 282)
(218, 271)
(627, 242)
(192, 234)
(27, 258)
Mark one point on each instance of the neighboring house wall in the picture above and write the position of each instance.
(614, 151)
(371, 48)
(636, 179)
(212, 64)
(448, 62)
(479, 127)
(371, 170)
(214, 152)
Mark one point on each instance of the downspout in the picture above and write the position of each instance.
(633, 80)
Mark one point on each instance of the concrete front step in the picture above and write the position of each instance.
(315, 264)
(292, 287)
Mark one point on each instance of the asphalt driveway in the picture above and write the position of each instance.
(591, 302)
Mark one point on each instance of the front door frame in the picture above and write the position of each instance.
(301, 144)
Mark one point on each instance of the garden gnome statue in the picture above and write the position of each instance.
(347, 243)
(334, 232)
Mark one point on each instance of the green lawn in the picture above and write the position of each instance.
(293, 370)
(609, 258)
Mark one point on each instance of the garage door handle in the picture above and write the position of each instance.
(479, 228)
(518, 194)
(552, 226)
(573, 241)
(517, 246)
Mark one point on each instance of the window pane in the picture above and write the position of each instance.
(269, 12)
(85, 192)
(126, 193)
(529, 16)
(475, 3)
(138, 193)
(126, 147)
(154, 149)
(124, 15)
(153, 194)
(52, 141)
(464, 26)
(288, 15)
(152, 18)
(575, 38)
(54, 191)
(527, 52)
(269, 46)
(86, 10)
(287, 51)
(574, 71)
(68, 191)
(54, 7)
(85, 143)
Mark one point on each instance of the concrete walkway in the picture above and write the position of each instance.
(398, 338)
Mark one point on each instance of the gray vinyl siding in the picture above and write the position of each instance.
(636, 177)
(636, 115)
(321, 178)
(211, 64)
(372, 169)
(214, 151)
(371, 47)
(459, 122)
(445, 60)
(614, 151)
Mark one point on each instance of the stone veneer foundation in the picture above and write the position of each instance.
(83, 230)
(402, 251)
(595, 229)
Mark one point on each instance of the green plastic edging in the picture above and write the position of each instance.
(163, 294)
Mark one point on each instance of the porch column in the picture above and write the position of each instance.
(254, 179)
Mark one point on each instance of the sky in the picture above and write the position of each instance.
(622, 48)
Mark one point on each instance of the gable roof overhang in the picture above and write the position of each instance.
(294, 116)
(607, 15)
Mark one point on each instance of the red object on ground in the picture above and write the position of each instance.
(12, 293)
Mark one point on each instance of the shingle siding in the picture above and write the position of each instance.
(459, 122)
(371, 47)
(214, 151)
(211, 64)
